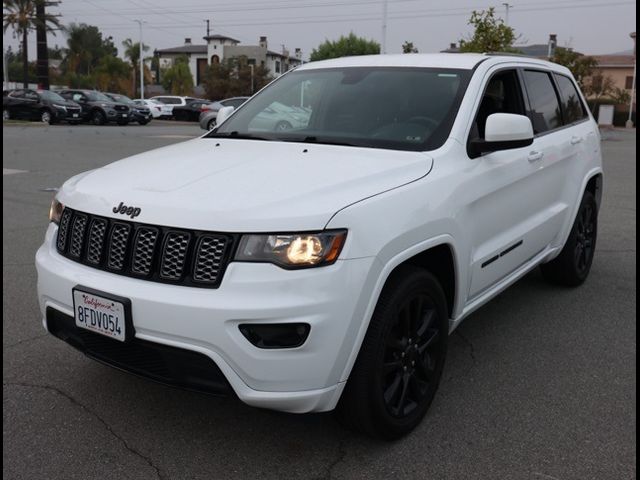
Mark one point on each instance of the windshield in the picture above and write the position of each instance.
(52, 96)
(97, 97)
(380, 107)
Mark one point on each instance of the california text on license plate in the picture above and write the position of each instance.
(100, 314)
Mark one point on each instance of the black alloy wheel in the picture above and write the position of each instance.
(585, 238)
(410, 356)
(398, 369)
(98, 118)
(572, 266)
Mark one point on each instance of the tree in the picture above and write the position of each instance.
(44, 23)
(132, 52)
(581, 66)
(232, 78)
(598, 87)
(85, 49)
(407, 47)
(20, 16)
(490, 34)
(345, 47)
(177, 79)
(112, 74)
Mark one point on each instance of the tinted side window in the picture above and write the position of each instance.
(502, 95)
(572, 106)
(545, 108)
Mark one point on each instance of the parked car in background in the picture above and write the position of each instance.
(97, 108)
(172, 101)
(190, 112)
(43, 105)
(209, 112)
(279, 117)
(139, 113)
(157, 108)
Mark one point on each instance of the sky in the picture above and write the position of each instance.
(589, 26)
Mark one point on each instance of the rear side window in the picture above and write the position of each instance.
(572, 106)
(545, 108)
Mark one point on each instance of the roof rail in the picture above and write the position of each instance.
(506, 54)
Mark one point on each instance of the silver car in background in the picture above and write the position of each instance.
(210, 112)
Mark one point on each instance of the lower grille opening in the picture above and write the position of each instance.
(172, 366)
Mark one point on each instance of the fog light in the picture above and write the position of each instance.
(276, 335)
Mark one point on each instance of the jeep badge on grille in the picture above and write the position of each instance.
(133, 212)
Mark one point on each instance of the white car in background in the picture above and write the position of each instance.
(172, 100)
(158, 109)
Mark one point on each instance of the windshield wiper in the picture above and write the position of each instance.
(238, 135)
(324, 141)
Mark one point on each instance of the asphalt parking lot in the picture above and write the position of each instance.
(539, 384)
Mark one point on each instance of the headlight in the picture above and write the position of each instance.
(62, 107)
(55, 211)
(292, 250)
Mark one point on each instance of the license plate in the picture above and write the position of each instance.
(75, 115)
(124, 115)
(102, 314)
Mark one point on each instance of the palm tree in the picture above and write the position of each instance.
(20, 15)
(132, 52)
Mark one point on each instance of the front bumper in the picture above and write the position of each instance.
(302, 379)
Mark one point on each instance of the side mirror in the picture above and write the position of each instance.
(223, 114)
(503, 131)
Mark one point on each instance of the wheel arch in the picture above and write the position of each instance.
(439, 256)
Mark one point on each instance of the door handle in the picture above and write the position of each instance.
(575, 140)
(535, 156)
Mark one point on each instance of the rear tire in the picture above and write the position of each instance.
(398, 369)
(571, 268)
(6, 114)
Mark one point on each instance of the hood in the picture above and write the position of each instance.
(110, 104)
(67, 103)
(242, 185)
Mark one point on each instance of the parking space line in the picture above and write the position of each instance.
(12, 171)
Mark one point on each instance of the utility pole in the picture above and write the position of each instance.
(633, 86)
(385, 5)
(251, 68)
(507, 6)
(141, 60)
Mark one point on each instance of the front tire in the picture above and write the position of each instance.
(6, 114)
(98, 118)
(212, 124)
(398, 369)
(46, 117)
(571, 268)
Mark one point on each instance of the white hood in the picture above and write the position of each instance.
(242, 185)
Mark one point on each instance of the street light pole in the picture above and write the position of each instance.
(633, 85)
(141, 60)
(507, 6)
(384, 25)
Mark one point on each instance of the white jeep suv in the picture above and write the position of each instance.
(323, 267)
